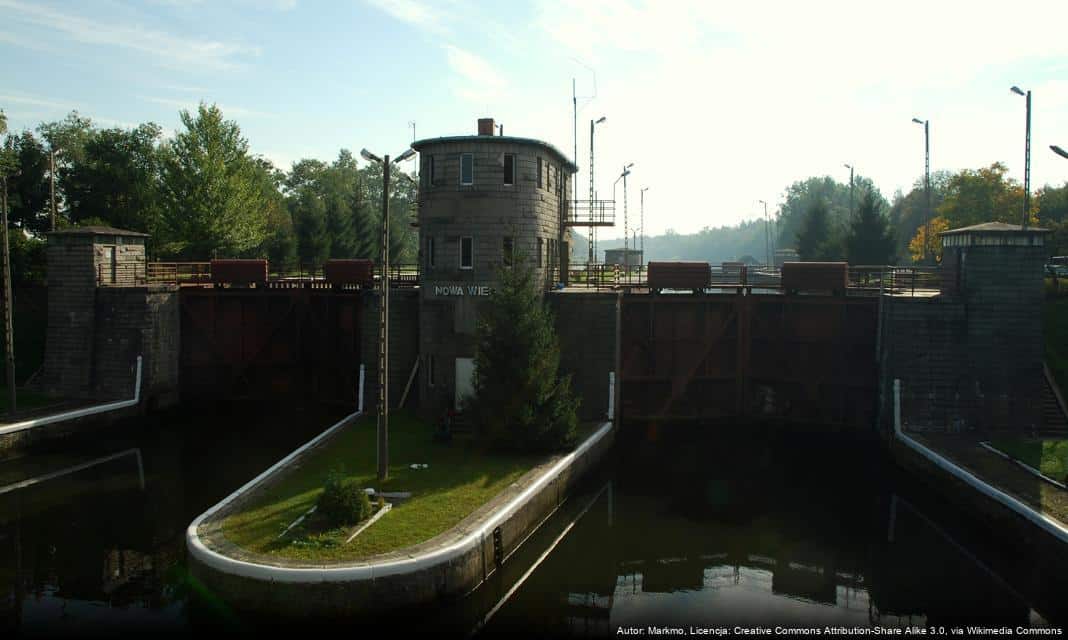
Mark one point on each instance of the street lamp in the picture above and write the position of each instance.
(926, 183)
(623, 177)
(767, 242)
(1027, 156)
(850, 167)
(642, 250)
(383, 314)
(591, 240)
(1059, 151)
(9, 327)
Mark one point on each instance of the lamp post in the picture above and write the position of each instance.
(850, 167)
(926, 183)
(383, 315)
(1059, 151)
(1027, 156)
(767, 236)
(9, 327)
(591, 240)
(642, 222)
(623, 177)
(52, 183)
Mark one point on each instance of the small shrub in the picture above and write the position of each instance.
(381, 502)
(342, 502)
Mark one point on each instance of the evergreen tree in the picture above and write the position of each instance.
(309, 222)
(814, 241)
(520, 401)
(870, 239)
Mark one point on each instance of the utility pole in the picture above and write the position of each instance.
(767, 235)
(626, 256)
(9, 327)
(592, 239)
(642, 222)
(383, 335)
(52, 181)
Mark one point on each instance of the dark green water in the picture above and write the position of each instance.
(696, 528)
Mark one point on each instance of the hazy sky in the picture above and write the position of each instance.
(718, 104)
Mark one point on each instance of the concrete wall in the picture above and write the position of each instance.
(970, 358)
(132, 321)
(587, 325)
(403, 345)
(71, 299)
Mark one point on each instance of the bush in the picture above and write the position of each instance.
(342, 503)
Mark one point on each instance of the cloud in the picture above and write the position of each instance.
(191, 105)
(480, 81)
(34, 101)
(749, 97)
(170, 49)
(413, 12)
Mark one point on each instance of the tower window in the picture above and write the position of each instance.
(509, 168)
(539, 173)
(467, 168)
(467, 252)
(431, 253)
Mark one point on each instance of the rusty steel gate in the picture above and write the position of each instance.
(789, 358)
(260, 342)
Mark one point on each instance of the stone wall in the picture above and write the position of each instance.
(971, 357)
(132, 321)
(71, 298)
(587, 325)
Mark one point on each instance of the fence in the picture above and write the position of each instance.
(300, 277)
(862, 279)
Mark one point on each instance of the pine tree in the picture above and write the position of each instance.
(814, 241)
(520, 402)
(870, 241)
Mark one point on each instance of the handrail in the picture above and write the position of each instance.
(78, 413)
(1044, 522)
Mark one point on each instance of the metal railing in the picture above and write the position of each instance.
(591, 213)
(299, 277)
(861, 279)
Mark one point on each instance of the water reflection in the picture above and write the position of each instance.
(773, 532)
(695, 528)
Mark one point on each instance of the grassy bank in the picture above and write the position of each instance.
(1048, 456)
(460, 478)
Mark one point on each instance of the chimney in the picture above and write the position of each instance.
(485, 126)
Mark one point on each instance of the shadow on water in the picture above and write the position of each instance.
(680, 526)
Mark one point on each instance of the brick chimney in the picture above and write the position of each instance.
(485, 126)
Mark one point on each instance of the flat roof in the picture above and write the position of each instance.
(572, 167)
(97, 230)
(994, 227)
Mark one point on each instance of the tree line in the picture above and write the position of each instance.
(816, 218)
(199, 194)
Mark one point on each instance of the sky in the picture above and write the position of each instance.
(718, 104)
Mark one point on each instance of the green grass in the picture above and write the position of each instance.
(25, 400)
(1048, 456)
(1055, 328)
(461, 477)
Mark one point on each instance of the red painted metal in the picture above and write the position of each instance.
(242, 272)
(358, 271)
(679, 275)
(270, 342)
(815, 276)
(807, 359)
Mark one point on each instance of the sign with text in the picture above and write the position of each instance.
(461, 290)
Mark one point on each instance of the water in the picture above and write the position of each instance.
(696, 527)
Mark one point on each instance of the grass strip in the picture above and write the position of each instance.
(460, 478)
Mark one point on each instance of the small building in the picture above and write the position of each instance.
(485, 201)
(623, 257)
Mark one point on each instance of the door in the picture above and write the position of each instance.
(465, 374)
